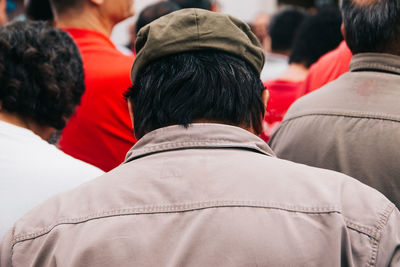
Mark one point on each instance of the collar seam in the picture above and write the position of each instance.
(374, 66)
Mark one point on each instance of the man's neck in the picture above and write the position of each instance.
(89, 19)
(295, 73)
(43, 131)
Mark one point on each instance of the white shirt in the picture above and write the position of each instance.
(32, 170)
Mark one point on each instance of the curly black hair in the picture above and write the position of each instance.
(41, 73)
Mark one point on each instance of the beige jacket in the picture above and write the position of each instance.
(209, 195)
(351, 125)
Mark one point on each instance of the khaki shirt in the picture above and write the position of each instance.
(351, 125)
(209, 195)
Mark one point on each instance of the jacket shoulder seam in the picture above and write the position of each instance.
(383, 219)
(175, 208)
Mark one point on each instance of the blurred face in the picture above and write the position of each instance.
(3, 14)
(118, 10)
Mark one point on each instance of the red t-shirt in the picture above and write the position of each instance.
(328, 68)
(282, 94)
(100, 132)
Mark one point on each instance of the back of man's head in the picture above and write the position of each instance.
(283, 27)
(203, 4)
(154, 12)
(372, 26)
(317, 35)
(41, 73)
(181, 76)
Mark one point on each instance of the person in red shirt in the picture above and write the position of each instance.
(328, 68)
(311, 42)
(100, 131)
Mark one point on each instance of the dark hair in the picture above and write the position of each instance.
(63, 5)
(39, 10)
(41, 73)
(205, 85)
(204, 4)
(316, 36)
(153, 12)
(373, 26)
(283, 27)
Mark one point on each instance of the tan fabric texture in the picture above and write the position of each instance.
(351, 125)
(209, 195)
(194, 30)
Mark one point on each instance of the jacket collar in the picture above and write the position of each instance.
(375, 62)
(198, 135)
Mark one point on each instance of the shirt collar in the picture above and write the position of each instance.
(10, 129)
(81, 35)
(375, 62)
(198, 135)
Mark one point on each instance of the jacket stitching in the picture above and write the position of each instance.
(361, 228)
(191, 145)
(192, 142)
(174, 209)
(361, 115)
(374, 67)
(383, 219)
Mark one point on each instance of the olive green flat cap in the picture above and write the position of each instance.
(194, 30)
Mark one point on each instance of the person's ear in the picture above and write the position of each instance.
(97, 2)
(214, 7)
(343, 30)
(130, 108)
(265, 97)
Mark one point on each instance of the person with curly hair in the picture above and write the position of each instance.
(41, 83)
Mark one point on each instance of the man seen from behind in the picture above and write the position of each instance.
(200, 188)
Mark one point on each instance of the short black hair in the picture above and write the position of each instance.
(283, 27)
(41, 72)
(316, 36)
(204, 85)
(203, 4)
(39, 10)
(153, 12)
(372, 27)
(60, 6)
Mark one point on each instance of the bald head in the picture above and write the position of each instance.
(372, 25)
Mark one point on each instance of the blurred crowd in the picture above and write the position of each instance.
(204, 141)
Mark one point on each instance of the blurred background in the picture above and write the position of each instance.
(256, 12)
(247, 10)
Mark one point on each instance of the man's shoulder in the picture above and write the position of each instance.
(354, 94)
(99, 49)
(337, 189)
(297, 188)
(279, 191)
